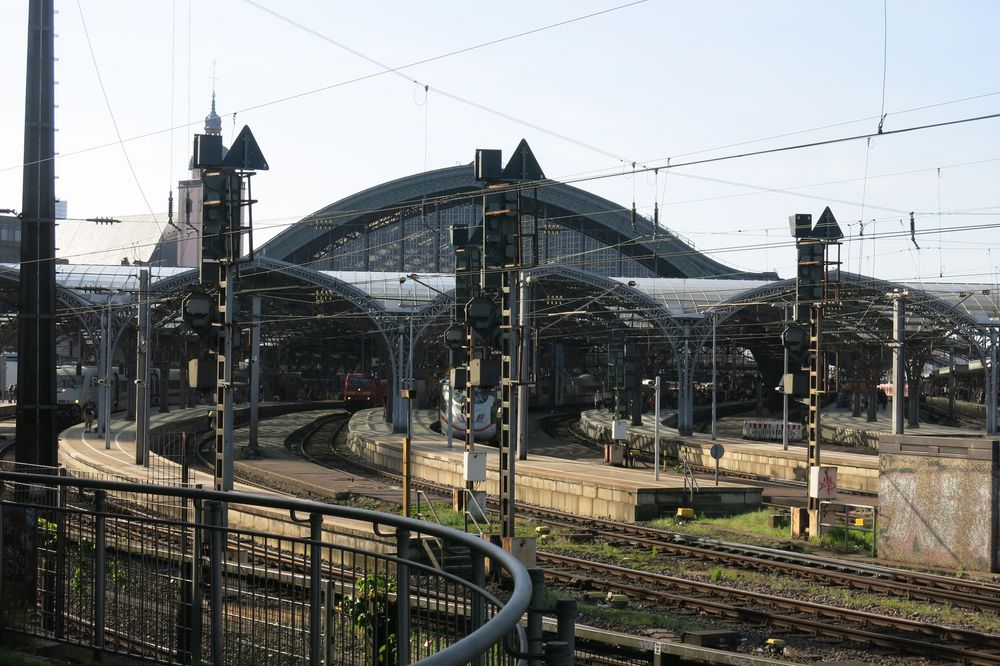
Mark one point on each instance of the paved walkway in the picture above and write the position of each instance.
(547, 458)
(842, 418)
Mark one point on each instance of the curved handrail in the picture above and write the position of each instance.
(464, 650)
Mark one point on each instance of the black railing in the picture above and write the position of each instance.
(189, 576)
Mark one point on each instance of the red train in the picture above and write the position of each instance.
(360, 389)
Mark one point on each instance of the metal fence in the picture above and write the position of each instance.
(189, 576)
(859, 518)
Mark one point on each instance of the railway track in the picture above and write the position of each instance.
(862, 576)
(850, 574)
(937, 414)
(867, 628)
(910, 636)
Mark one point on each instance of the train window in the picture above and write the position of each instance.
(478, 397)
(70, 381)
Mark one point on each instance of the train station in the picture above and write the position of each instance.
(217, 450)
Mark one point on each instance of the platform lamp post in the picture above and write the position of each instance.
(784, 373)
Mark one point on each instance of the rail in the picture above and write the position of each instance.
(182, 575)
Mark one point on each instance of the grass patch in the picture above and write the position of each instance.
(918, 610)
(634, 558)
(855, 541)
(633, 618)
(753, 523)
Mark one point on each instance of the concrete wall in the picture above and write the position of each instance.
(547, 488)
(938, 501)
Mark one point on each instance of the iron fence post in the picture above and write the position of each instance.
(479, 584)
(330, 611)
(214, 510)
(60, 585)
(100, 561)
(195, 587)
(185, 463)
(535, 611)
(403, 596)
(557, 653)
(566, 625)
(315, 606)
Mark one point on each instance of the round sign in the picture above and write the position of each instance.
(718, 451)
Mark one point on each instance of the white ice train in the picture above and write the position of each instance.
(485, 412)
(78, 385)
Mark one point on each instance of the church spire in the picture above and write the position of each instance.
(213, 123)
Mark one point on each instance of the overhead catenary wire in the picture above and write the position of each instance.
(111, 113)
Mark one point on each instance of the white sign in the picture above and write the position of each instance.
(823, 482)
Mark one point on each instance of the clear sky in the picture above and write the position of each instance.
(639, 82)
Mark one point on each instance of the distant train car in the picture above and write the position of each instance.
(361, 389)
(175, 388)
(78, 385)
(486, 414)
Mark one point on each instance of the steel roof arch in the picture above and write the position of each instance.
(614, 225)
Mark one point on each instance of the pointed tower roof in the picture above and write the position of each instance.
(213, 123)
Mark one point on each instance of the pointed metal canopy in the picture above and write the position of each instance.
(245, 153)
(522, 165)
(826, 227)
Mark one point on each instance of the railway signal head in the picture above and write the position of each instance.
(811, 270)
(200, 313)
(796, 340)
(501, 221)
(454, 338)
(483, 317)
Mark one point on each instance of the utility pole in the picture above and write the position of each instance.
(36, 429)
(223, 179)
(493, 315)
(813, 290)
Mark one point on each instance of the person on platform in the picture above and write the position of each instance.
(88, 417)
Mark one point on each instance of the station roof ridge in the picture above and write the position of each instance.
(680, 296)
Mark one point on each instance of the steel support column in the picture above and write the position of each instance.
(398, 373)
(898, 380)
(991, 386)
(685, 385)
(253, 448)
(142, 371)
(37, 431)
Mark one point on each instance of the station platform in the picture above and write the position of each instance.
(559, 475)
(847, 442)
(85, 454)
